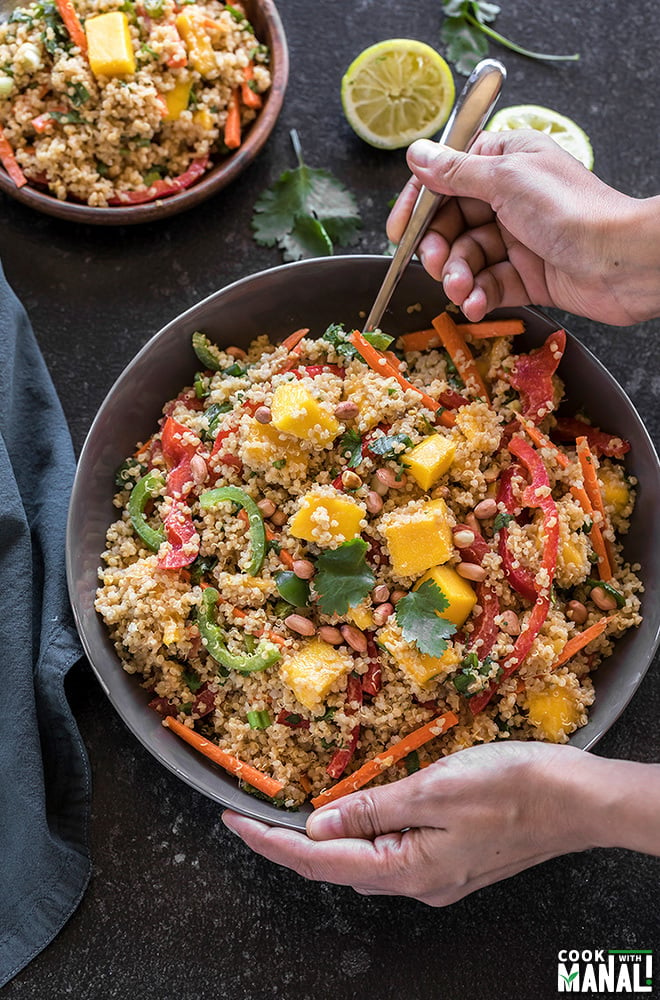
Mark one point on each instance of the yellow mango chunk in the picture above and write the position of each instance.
(361, 615)
(173, 631)
(418, 538)
(263, 444)
(327, 519)
(177, 100)
(456, 590)
(418, 667)
(553, 711)
(296, 412)
(109, 44)
(313, 670)
(614, 489)
(197, 42)
(430, 459)
(204, 119)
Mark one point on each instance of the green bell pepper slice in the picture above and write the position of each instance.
(144, 490)
(206, 352)
(257, 529)
(213, 640)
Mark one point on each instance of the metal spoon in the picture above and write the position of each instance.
(474, 105)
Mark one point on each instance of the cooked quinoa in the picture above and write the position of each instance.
(140, 113)
(332, 453)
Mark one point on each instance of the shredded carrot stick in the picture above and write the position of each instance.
(250, 98)
(493, 328)
(382, 761)
(305, 784)
(144, 448)
(592, 488)
(294, 338)
(541, 441)
(380, 364)
(460, 354)
(9, 161)
(596, 535)
(578, 642)
(419, 340)
(250, 775)
(286, 558)
(72, 23)
(232, 134)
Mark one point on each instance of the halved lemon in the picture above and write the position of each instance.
(397, 91)
(563, 130)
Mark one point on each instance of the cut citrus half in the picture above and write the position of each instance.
(563, 130)
(397, 91)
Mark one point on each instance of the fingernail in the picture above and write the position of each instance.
(422, 152)
(325, 825)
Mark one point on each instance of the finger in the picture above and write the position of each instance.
(344, 862)
(499, 285)
(469, 254)
(402, 210)
(369, 813)
(449, 171)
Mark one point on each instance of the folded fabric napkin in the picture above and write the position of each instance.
(44, 773)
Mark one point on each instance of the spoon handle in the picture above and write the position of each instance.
(472, 109)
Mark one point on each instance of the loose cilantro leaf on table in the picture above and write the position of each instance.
(466, 31)
(343, 577)
(419, 615)
(305, 212)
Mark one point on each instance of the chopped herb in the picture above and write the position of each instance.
(201, 567)
(67, 117)
(129, 472)
(191, 680)
(474, 674)
(186, 707)
(56, 35)
(19, 16)
(102, 169)
(146, 50)
(193, 100)
(351, 447)
(502, 521)
(419, 615)
(609, 589)
(154, 8)
(142, 143)
(260, 53)
(212, 417)
(587, 526)
(343, 577)
(79, 94)
(201, 385)
(234, 371)
(388, 446)
(411, 762)
(128, 8)
(327, 716)
(279, 463)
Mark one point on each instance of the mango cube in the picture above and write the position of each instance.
(204, 119)
(361, 615)
(418, 667)
(327, 519)
(296, 412)
(176, 100)
(616, 494)
(263, 444)
(553, 711)
(430, 459)
(198, 44)
(457, 591)
(109, 44)
(418, 537)
(312, 671)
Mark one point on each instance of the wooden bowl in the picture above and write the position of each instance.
(268, 28)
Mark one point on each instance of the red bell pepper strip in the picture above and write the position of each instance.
(520, 579)
(485, 632)
(9, 161)
(204, 702)
(532, 376)
(182, 537)
(177, 452)
(292, 720)
(536, 494)
(600, 442)
(163, 706)
(372, 680)
(163, 188)
(452, 399)
(340, 758)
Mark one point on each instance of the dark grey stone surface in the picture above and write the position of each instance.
(177, 908)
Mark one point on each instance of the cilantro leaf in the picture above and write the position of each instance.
(502, 521)
(351, 446)
(387, 446)
(343, 577)
(419, 615)
(305, 212)
(466, 31)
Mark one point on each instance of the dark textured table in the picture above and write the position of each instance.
(177, 908)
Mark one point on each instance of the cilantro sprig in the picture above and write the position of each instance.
(343, 577)
(305, 212)
(419, 614)
(467, 28)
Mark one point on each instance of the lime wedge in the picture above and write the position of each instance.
(397, 91)
(563, 130)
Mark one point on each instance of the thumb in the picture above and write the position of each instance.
(372, 812)
(451, 172)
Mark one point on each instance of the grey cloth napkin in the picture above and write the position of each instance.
(44, 773)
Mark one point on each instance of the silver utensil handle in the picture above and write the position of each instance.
(472, 109)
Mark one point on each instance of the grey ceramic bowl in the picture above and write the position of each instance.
(315, 293)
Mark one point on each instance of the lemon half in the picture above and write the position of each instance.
(397, 91)
(563, 130)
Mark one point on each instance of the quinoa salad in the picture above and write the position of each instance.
(341, 558)
(120, 103)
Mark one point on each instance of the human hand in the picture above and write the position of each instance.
(468, 820)
(530, 224)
